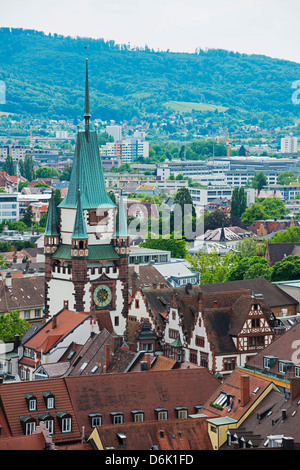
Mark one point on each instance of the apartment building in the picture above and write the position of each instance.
(289, 144)
(9, 206)
(128, 150)
(203, 196)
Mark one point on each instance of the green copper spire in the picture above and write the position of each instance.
(121, 222)
(87, 114)
(177, 343)
(79, 230)
(52, 222)
(87, 172)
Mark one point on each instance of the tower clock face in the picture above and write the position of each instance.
(102, 295)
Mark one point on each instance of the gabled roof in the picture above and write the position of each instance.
(285, 348)
(31, 442)
(147, 276)
(269, 420)
(48, 335)
(146, 390)
(232, 387)
(277, 251)
(273, 295)
(14, 404)
(225, 318)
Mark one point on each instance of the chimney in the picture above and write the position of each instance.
(54, 322)
(134, 283)
(288, 443)
(154, 286)
(107, 356)
(215, 304)
(245, 389)
(283, 415)
(17, 342)
(66, 305)
(148, 361)
(294, 388)
(116, 343)
(137, 268)
(8, 280)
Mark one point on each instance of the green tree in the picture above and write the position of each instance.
(11, 325)
(273, 207)
(250, 247)
(259, 180)
(176, 247)
(249, 268)
(289, 235)
(112, 196)
(9, 166)
(66, 174)
(242, 151)
(287, 269)
(28, 217)
(286, 177)
(28, 168)
(47, 172)
(183, 197)
(238, 202)
(212, 267)
(255, 212)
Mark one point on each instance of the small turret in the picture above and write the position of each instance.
(121, 239)
(79, 244)
(52, 234)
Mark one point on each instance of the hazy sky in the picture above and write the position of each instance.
(268, 27)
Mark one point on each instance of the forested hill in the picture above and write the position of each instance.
(44, 75)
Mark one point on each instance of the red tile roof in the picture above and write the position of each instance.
(180, 434)
(30, 442)
(48, 335)
(14, 403)
(146, 390)
(233, 386)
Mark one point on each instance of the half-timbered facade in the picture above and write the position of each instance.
(217, 331)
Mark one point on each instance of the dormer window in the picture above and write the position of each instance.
(64, 421)
(138, 416)
(181, 412)
(49, 400)
(48, 420)
(284, 366)
(95, 419)
(28, 424)
(31, 401)
(117, 417)
(269, 361)
(161, 414)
